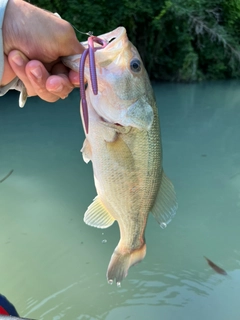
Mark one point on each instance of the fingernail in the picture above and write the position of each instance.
(75, 79)
(18, 60)
(56, 86)
(59, 88)
(37, 72)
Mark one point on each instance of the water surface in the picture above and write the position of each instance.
(53, 266)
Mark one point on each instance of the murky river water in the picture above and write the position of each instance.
(53, 266)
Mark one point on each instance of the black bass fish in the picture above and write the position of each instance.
(124, 145)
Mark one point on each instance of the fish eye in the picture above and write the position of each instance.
(135, 65)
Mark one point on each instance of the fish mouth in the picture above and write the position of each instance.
(119, 36)
(116, 41)
(110, 37)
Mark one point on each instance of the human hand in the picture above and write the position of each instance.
(41, 38)
(49, 86)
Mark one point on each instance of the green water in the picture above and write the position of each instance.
(53, 266)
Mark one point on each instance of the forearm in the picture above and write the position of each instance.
(3, 5)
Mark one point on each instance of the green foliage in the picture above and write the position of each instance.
(179, 40)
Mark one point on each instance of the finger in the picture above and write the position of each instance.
(59, 85)
(18, 62)
(53, 87)
(38, 76)
(74, 78)
(37, 79)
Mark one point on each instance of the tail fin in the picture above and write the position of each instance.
(121, 261)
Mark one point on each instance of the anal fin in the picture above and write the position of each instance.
(97, 215)
(165, 206)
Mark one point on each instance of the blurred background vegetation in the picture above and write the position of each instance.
(178, 40)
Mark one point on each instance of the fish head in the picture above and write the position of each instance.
(124, 91)
(124, 94)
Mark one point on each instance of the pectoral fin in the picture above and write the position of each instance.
(97, 215)
(86, 151)
(165, 205)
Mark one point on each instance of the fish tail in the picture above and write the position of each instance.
(121, 261)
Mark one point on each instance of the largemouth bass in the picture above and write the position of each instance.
(124, 145)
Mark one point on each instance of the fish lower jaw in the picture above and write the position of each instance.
(121, 261)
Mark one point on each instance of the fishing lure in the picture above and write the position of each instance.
(93, 74)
